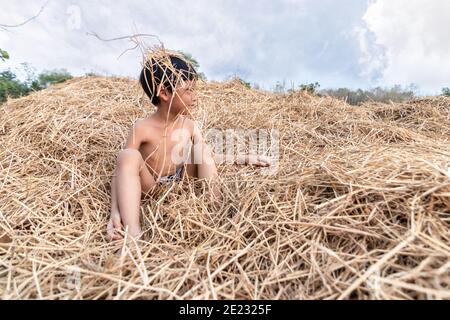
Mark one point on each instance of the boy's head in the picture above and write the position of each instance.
(167, 77)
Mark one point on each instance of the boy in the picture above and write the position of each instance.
(152, 150)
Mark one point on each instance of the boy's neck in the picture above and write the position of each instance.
(163, 114)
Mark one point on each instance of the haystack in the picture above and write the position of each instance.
(359, 207)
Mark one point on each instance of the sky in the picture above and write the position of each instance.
(344, 43)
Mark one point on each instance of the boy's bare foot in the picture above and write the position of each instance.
(114, 227)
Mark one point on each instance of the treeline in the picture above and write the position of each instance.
(12, 87)
(396, 93)
(354, 97)
(357, 97)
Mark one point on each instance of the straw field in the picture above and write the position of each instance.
(359, 207)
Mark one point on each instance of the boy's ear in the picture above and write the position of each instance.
(164, 94)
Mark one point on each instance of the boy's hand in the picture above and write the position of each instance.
(261, 161)
(114, 227)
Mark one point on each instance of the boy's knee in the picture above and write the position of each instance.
(129, 158)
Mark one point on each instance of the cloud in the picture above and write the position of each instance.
(406, 41)
(264, 41)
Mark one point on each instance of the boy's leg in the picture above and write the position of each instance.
(115, 222)
(132, 179)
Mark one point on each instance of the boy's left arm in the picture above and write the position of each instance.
(211, 158)
(254, 159)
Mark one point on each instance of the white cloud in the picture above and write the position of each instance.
(406, 41)
(212, 32)
(264, 41)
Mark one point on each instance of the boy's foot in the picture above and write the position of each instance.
(115, 230)
(114, 227)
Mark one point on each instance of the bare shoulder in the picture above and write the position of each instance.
(188, 124)
(194, 126)
(144, 128)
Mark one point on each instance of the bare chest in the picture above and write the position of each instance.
(163, 154)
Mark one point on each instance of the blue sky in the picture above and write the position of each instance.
(345, 43)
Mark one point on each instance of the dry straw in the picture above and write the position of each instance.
(359, 208)
(160, 58)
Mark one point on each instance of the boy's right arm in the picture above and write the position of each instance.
(135, 136)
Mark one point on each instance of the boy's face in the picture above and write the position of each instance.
(184, 98)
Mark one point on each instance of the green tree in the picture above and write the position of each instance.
(4, 55)
(52, 77)
(243, 82)
(91, 74)
(310, 87)
(189, 58)
(446, 92)
(10, 86)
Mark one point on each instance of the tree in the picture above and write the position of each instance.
(356, 97)
(244, 83)
(311, 88)
(446, 92)
(189, 58)
(52, 77)
(4, 55)
(10, 86)
(91, 74)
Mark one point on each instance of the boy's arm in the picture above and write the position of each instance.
(206, 166)
(249, 159)
(135, 136)
(204, 156)
(254, 159)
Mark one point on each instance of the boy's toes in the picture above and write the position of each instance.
(113, 235)
(112, 232)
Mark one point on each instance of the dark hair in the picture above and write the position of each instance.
(153, 74)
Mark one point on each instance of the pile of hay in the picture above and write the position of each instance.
(359, 208)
